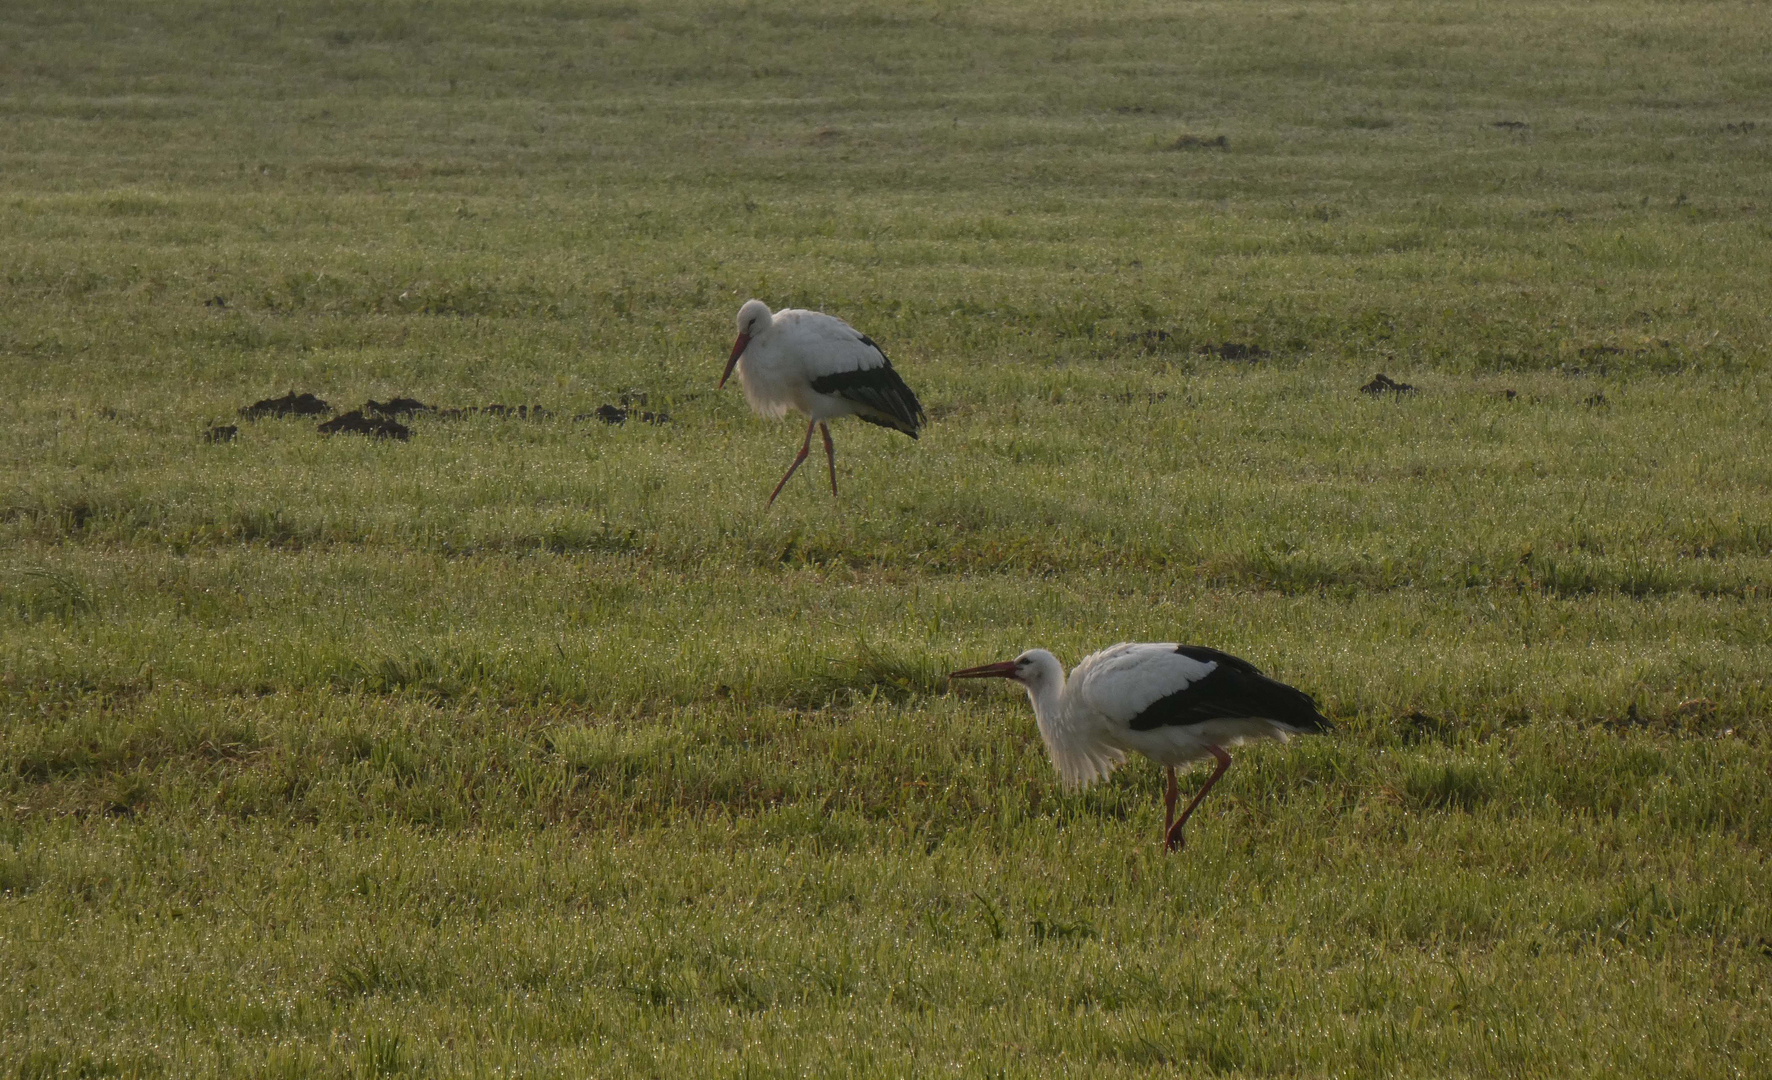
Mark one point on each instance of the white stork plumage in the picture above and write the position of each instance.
(819, 366)
(1172, 703)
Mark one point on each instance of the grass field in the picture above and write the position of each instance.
(539, 747)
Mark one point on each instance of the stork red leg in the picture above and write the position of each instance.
(805, 448)
(1169, 802)
(830, 454)
(1174, 838)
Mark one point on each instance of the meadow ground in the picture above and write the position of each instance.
(539, 747)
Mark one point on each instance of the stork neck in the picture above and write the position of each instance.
(1048, 699)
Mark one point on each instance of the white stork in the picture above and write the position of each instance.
(820, 366)
(1172, 703)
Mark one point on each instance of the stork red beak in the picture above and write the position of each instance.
(732, 361)
(1005, 670)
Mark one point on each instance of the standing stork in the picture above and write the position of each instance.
(819, 366)
(1172, 703)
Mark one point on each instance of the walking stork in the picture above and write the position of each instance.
(1172, 703)
(821, 367)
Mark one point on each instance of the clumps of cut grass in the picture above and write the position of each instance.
(128, 794)
(442, 675)
(613, 749)
(1576, 574)
(1449, 785)
(364, 969)
(20, 871)
(1714, 539)
(107, 743)
(33, 593)
(387, 1052)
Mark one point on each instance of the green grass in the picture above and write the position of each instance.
(541, 747)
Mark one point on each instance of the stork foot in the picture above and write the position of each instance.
(1172, 834)
(805, 448)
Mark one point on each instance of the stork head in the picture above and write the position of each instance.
(1035, 669)
(753, 319)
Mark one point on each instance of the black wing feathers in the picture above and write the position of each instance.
(884, 397)
(1235, 689)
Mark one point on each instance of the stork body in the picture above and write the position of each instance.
(1174, 704)
(821, 367)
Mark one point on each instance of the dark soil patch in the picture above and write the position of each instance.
(355, 423)
(1233, 350)
(1200, 142)
(1511, 125)
(1384, 384)
(612, 414)
(400, 406)
(221, 433)
(290, 404)
(631, 405)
